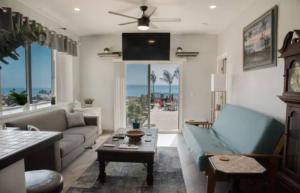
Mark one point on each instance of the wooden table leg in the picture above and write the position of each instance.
(211, 181)
(150, 173)
(102, 173)
(235, 187)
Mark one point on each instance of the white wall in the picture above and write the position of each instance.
(97, 75)
(258, 89)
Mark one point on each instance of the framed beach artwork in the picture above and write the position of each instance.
(260, 41)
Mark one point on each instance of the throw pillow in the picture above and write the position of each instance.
(75, 119)
(32, 128)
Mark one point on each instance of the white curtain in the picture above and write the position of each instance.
(64, 77)
(119, 104)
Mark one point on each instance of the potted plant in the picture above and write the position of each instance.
(136, 113)
(89, 102)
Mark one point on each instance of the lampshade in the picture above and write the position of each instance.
(218, 82)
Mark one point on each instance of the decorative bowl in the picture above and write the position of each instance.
(135, 135)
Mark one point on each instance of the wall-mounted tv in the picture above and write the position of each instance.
(146, 46)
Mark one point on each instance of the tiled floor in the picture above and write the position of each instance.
(194, 180)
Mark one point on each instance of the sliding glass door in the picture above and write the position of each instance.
(152, 96)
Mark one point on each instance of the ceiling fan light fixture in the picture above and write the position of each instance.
(143, 23)
(143, 28)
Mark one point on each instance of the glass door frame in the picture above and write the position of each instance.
(181, 75)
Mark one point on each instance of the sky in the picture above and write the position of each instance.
(136, 74)
(13, 74)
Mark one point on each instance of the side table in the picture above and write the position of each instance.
(91, 112)
(232, 167)
(204, 124)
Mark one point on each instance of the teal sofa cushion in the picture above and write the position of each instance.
(247, 131)
(203, 140)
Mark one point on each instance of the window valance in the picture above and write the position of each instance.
(16, 30)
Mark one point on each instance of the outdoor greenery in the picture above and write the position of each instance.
(153, 80)
(15, 98)
(137, 110)
(168, 77)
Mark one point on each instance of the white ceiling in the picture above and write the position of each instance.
(94, 19)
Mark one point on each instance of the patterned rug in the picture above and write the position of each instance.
(131, 177)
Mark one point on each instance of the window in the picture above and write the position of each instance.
(41, 73)
(19, 85)
(13, 79)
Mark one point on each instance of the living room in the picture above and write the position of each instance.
(208, 104)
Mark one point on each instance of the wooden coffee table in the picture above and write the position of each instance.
(144, 154)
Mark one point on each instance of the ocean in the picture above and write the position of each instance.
(35, 91)
(132, 90)
(138, 90)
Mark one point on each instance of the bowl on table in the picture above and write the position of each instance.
(135, 135)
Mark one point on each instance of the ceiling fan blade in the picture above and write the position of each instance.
(152, 12)
(153, 26)
(128, 23)
(165, 19)
(122, 15)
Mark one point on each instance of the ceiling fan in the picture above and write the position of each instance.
(145, 21)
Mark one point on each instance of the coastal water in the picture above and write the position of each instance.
(132, 90)
(35, 91)
(138, 90)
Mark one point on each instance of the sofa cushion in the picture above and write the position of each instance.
(247, 131)
(69, 143)
(203, 140)
(86, 131)
(75, 119)
(46, 121)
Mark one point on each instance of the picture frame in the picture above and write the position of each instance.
(260, 41)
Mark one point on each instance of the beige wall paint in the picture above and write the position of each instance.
(257, 89)
(97, 75)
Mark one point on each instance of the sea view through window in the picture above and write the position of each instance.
(14, 90)
(152, 95)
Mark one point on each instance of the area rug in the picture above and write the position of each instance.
(131, 177)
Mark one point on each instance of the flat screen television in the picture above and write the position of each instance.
(146, 46)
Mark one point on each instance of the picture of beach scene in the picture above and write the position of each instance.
(259, 44)
(152, 95)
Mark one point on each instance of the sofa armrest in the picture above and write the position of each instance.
(91, 120)
(258, 156)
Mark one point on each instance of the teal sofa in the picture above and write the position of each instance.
(236, 130)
